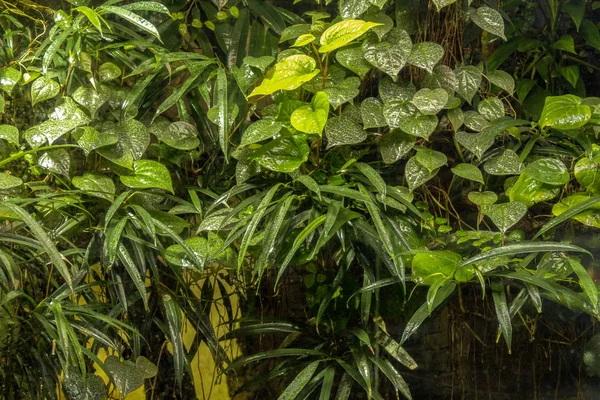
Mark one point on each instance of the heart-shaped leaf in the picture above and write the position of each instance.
(124, 374)
(468, 79)
(9, 182)
(261, 130)
(371, 111)
(92, 389)
(549, 170)
(352, 58)
(389, 55)
(146, 368)
(590, 216)
(394, 145)
(42, 89)
(416, 174)
(57, 161)
(137, 136)
(91, 98)
(288, 74)
(148, 174)
(489, 20)
(341, 130)
(483, 198)
(507, 163)
(340, 34)
(390, 91)
(430, 102)
(476, 143)
(565, 112)
(9, 133)
(587, 173)
(503, 80)
(283, 154)
(312, 119)
(475, 121)
(505, 215)
(468, 171)
(303, 40)
(90, 139)
(428, 267)
(430, 159)
(95, 185)
(491, 108)
(442, 77)
(108, 72)
(343, 92)
(387, 24)
(9, 78)
(426, 55)
(419, 124)
(530, 191)
(456, 118)
(395, 112)
(179, 135)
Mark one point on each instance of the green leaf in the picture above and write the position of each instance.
(179, 135)
(259, 62)
(387, 24)
(489, 20)
(530, 191)
(9, 182)
(420, 125)
(416, 174)
(581, 208)
(178, 255)
(586, 282)
(565, 43)
(475, 121)
(430, 102)
(91, 98)
(312, 119)
(9, 77)
(390, 54)
(175, 325)
(342, 33)
(284, 154)
(394, 145)
(50, 249)
(288, 74)
(293, 32)
(548, 170)
(391, 92)
(147, 6)
(373, 176)
(491, 108)
(571, 74)
(9, 133)
(439, 4)
(576, 10)
(442, 77)
(300, 381)
(148, 174)
(135, 19)
(428, 267)
(476, 143)
(222, 120)
(263, 355)
(42, 89)
(394, 349)
(261, 130)
(468, 171)
(146, 368)
(587, 173)
(502, 313)
(564, 112)
(502, 79)
(456, 118)
(352, 58)
(505, 215)
(95, 184)
(393, 375)
(90, 139)
(507, 163)
(57, 161)
(590, 33)
(483, 198)
(92, 389)
(303, 40)
(468, 78)
(341, 131)
(108, 72)
(343, 92)
(430, 159)
(426, 55)
(371, 111)
(133, 272)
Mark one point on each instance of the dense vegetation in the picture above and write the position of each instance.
(352, 153)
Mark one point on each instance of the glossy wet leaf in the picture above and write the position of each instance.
(371, 111)
(418, 124)
(502, 79)
(108, 72)
(505, 215)
(9, 181)
(530, 191)
(352, 58)
(342, 33)
(483, 198)
(548, 170)
(502, 313)
(430, 159)
(179, 135)
(177, 255)
(283, 154)
(300, 381)
(394, 145)
(428, 267)
(489, 20)
(9, 77)
(394, 349)
(312, 119)
(124, 374)
(261, 130)
(148, 174)
(341, 131)
(395, 112)
(387, 24)
(468, 79)
(63, 119)
(303, 40)
(92, 388)
(133, 18)
(468, 171)
(91, 98)
(579, 207)
(416, 174)
(288, 74)
(42, 89)
(9, 133)
(587, 173)
(475, 121)
(564, 112)
(456, 118)
(507, 163)
(95, 184)
(392, 92)
(57, 161)
(476, 143)
(426, 55)
(586, 282)
(390, 54)
(491, 108)
(343, 92)
(294, 31)
(430, 102)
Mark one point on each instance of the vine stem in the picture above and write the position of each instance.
(21, 154)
